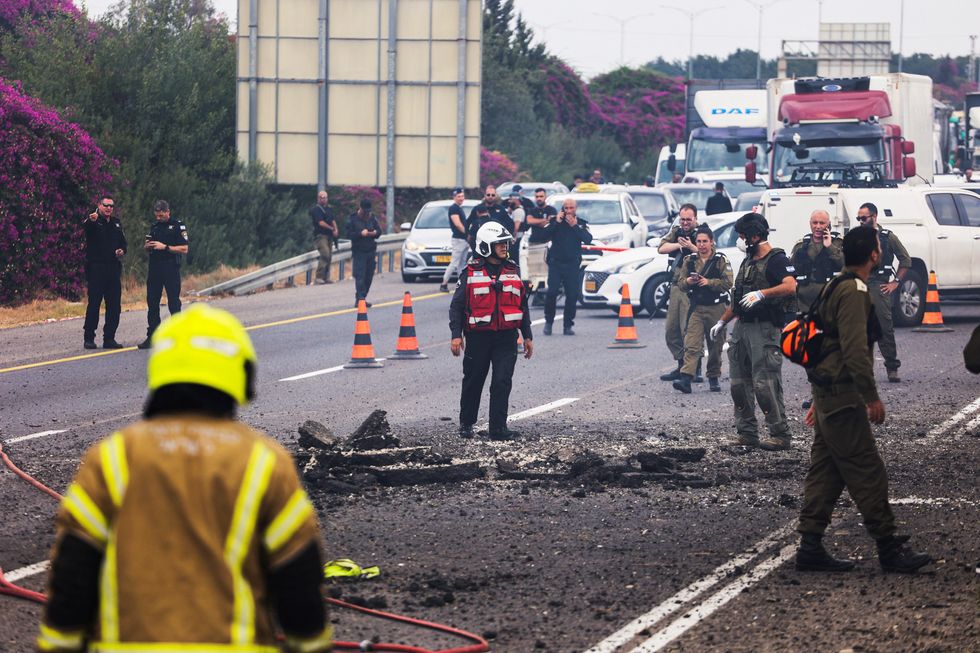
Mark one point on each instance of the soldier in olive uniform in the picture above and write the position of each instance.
(763, 299)
(881, 286)
(817, 257)
(679, 242)
(706, 278)
(845, 403)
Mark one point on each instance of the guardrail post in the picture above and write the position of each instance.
(391, 261)
(377, 264)
(340, 272)
(309, 277)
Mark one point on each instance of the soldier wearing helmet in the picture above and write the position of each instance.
(763, 299)
(489, 306)
(188, 502)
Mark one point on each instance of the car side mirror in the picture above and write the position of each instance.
(908, 167)
(751, 152)
(405, 226)
(750, 172)
(908, 147)
(672, 163)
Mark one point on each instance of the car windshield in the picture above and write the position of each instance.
(858, 151)
(718, 154)
(598, 211)
(696, 196)
(434, 217)
(653, 206)
(527, 190)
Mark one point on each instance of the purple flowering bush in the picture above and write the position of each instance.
(496, 168)
(13, 11)
(50, 171)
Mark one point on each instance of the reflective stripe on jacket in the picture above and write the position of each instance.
(493, 304)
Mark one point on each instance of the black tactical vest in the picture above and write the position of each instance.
(714, 269)
(818, 271)
(751, 277)
(883, 273)
(677, 258)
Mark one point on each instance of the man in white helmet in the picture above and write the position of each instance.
(489, 306)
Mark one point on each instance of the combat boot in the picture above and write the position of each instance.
(713, 384)
(811, 556)
(503, 434)
(683, 384)
(775, 444)
(895, 556)
(697, 374)
(466, 431)
(673, 375)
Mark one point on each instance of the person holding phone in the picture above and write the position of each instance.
(817, 257)
(105, 246)
(678, 243)
(165, 244)
(363, 230)
(706, 277)
(567, 233)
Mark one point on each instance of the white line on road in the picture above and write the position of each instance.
(677, 601)
(33, 436)
(312, 374)
(27, 572)
(707, 607)
(954, 420)
(551, 405)
(538, 321)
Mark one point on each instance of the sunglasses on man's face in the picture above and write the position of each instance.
(108, 206)
(491, 194)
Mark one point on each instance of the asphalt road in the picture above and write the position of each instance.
(697, 562)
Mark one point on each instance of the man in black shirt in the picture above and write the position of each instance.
(165, 244)
(718, 203)
(567, 233)
(325, 234)
(363, 230)
(105, 245)
(460, 247)
(489, 210)
(538, 216)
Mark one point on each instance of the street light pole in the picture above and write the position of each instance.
(622, 31)
(690, 48)
(758, 58)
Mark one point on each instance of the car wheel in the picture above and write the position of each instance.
(655, 293)
(910, 303)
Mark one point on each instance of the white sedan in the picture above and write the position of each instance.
(646, 271)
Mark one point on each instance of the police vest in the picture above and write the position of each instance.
(713, 269)
(752, 277)
(883, 273)
(819, 270)
(493, 304)
(677, 259)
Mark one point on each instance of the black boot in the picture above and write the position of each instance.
(895, 556)
(683, 384)
(674, 375)
(466, 431)
(811, 556)
(697, 373)
(713, 384)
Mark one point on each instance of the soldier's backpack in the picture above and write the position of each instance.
(802, 340)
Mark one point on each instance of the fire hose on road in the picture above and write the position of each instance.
(477, 645)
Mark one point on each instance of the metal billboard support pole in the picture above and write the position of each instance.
(390, 134)
(253, 85)
(461, 98)
(321, 126)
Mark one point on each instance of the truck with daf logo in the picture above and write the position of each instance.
(723, 118)
(857, 131)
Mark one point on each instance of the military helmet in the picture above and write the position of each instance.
(752, 224)
(206, 346)
(488, 235)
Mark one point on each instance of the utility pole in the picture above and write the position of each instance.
(622, 31)
(971, 66)
(901, 33)
(690, 51)
(760, 6)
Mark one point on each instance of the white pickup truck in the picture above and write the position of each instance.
(939, 226)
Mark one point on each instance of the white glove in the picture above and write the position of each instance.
(753, 298)
(716, 329)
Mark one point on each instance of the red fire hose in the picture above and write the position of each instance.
(478, 645)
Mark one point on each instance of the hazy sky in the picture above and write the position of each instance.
(586, 33)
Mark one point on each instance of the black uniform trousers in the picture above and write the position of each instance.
(104, 283)
(362, 267)
(483, 350)
(569, 277)
(160, 276)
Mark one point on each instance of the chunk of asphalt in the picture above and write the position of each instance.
(373, 433)
(314, 435)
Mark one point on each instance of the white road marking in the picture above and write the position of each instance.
(538, 321)
(678, 600)
(954, 420)
(27, 572)
(308, 375)
(707, 607)
(551, 405)
(33, 436)
(974, 423)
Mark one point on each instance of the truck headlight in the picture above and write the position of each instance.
(413, 246)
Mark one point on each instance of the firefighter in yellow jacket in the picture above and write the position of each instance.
(188, 531)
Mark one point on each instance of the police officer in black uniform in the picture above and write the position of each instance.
(567, 233)
(105, 245)
(165, 244)
(489, 210)
(489, 305)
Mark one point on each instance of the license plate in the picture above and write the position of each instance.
(442, 259)
(590, 286)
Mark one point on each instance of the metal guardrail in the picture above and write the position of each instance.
(388, 245)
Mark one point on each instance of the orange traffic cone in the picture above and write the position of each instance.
(932, 318)
(362, 355)
(626, 331)
(408, 343)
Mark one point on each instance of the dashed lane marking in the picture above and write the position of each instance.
(27, 572)
(954, 420)
(33, 436)
(255, 327)
(308, 375)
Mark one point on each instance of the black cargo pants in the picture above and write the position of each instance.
(486, 349)
(160, 277)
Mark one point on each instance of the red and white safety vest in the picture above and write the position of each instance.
(490, 309)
